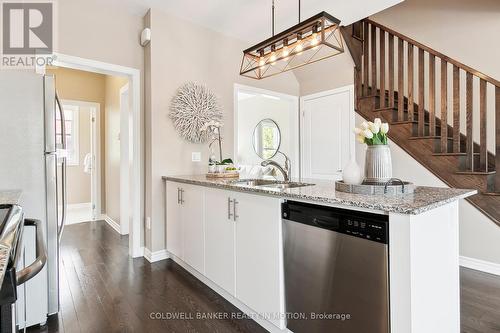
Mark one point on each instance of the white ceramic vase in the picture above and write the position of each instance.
(378, 164)
(352, 173)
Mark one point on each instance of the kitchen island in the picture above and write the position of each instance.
(243, 260)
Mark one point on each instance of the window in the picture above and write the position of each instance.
(71, 125)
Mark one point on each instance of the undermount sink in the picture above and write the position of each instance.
(284, 186)
(276, 184)
(254, 182)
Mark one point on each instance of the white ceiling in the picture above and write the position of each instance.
(250, 20)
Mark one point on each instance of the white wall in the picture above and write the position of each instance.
(112, 145)
(479, 236)
(254, 109)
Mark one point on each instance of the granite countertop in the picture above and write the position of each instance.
(424, 199)
(10, 197)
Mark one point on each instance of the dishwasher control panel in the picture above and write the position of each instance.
(369, 226)
(365, 229)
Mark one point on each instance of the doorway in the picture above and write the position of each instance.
(327, 138)
(83, 160)
(131, 190)
(253, 106)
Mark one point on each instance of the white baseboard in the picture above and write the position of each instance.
(480, 265)
(112, 223)
(155, 256)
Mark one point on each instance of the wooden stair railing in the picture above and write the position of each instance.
(438, 99)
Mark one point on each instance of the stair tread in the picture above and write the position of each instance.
(452, 154)
(427, 137)
(478, 173)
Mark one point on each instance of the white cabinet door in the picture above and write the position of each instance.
(219, 239)
(192, 226)
(259, 273)
(327, 138)
(174, 222)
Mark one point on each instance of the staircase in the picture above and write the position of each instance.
(438, 108)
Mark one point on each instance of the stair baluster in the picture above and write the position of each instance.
(421, 93)
(469, 147)
(382, 67)
(444, 106)
(391, 71)
(432, 95)
(401, 84)
(456, 109)
(411, 64)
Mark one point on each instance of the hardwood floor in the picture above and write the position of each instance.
(105, 291)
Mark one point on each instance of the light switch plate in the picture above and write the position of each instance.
(196, 156)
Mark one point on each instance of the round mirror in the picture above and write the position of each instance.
(266, 139)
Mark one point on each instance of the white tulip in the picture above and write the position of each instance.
(377, 121)
(374, 127)
(360, 138)
(357, 130)
(368, 134)
(364, 125)
(384, 128)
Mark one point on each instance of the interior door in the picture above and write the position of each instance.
(326, 127)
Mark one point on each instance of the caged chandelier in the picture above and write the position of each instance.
(312, 40)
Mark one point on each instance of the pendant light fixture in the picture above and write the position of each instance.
(312, 40)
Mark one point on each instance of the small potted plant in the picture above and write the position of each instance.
(378, 164)
(215, 165)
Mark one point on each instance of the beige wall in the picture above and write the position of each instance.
(88, 87)
(106, 31)
(331, 73)
(178, 55)
(113, 85)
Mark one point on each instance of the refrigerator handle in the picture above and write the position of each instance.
(63, 171)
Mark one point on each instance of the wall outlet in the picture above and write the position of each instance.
(148, 223)
(196, 156)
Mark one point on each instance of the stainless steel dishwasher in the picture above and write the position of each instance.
(336, 269)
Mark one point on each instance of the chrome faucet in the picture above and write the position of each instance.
(285, 171)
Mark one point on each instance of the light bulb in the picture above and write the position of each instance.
(299, 48)
(262, 62)
(273, 57)
(314, 40)
(285, 52)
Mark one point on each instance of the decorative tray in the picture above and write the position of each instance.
(392, 187)
(234, 174)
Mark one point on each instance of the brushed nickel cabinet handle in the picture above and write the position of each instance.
(235, 216)
(178, 195)
(229, 215)
(182, 196)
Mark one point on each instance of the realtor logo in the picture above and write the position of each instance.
(27, 28)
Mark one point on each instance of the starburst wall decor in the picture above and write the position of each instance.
(193, 106)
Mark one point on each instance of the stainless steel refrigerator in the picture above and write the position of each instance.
(30, 160)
